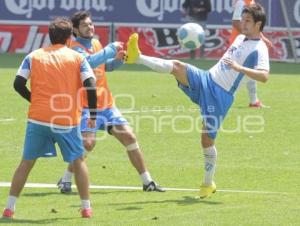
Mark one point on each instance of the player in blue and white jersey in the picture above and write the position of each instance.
(214, 90)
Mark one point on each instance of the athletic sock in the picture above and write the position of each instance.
(85, 204)
(146, 178)
(252, 91)
(210, 158)
(11, 203)
(156, 64)
(67, 176)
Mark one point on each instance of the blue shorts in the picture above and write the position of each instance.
(40, 140)
(105, 120)
(214, 101)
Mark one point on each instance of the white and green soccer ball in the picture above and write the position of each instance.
(190, 36)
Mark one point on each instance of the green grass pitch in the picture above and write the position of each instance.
(258, 168)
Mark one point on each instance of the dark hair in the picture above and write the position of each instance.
(77, 17)
(257, 12)
(60, 29)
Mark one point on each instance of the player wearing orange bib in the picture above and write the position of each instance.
(56, 75)
(109, 117)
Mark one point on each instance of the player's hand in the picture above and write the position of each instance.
(91, 123)
(120, 55)
(233, 64)
(119, 45)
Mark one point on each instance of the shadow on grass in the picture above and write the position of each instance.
(32, 222)
(130, 208)
(186, 200)
(42, 194)
(74, 193)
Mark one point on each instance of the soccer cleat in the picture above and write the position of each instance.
(65, 187)
(8, 214)
(152, 186)
(133, 50)
(86, 213)
(206, 191)
(258, 104)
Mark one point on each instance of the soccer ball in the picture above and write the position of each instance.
(190, 35)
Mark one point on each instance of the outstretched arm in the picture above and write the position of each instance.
(114, 63)
(104, 54)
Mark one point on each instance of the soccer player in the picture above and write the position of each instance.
(238, 6)
(56, 75)
(214, 90)
(109, 117)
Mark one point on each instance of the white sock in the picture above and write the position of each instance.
(67, 176)
(85, 204)
(11, 203)
(252, 91)
(210, 159)
(146, 178)
(156, 64)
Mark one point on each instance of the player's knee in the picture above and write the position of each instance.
(206, 140)
(179, 71)
(70, 168)
(132, 147)
(89, 145)
(177, 66)
(130, 138)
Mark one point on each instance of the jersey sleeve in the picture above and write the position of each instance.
(102, 56)
(263, 62)
(112, 64)
(237, 10)
(24, 69)
(86, 71)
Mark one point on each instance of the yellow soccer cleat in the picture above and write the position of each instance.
(133, 50)
(206, 191)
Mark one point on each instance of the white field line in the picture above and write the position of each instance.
(106, 187)
(7, 119)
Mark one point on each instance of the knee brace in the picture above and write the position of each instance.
(132, 147)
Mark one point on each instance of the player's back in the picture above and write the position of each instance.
(55, 80)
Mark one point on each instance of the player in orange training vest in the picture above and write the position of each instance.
(109, 118)
(57, 74)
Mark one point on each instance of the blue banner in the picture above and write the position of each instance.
(134, 11)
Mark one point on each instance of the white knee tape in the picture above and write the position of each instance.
(132, 147)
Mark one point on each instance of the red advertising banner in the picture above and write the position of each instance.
(162, 42)
(25, 38)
